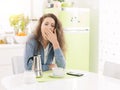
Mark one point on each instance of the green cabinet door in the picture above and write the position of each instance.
(77, 53)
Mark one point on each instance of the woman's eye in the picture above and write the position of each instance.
(46, 24)
(52, 26)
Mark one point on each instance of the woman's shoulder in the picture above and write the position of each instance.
(31, 38)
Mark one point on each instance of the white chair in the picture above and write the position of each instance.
(18, 64)
(112, 69)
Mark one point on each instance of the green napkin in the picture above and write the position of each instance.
(47, 76)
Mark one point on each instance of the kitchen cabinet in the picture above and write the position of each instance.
(7, 51)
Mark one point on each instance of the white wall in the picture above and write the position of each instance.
(109, 33)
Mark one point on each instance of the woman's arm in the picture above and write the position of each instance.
(29, 52)
(59, 58)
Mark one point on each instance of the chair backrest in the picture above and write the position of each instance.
(18, 64)
(112, 69)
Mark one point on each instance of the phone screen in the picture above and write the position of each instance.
(75, 74)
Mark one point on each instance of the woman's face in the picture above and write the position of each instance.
(47, 24)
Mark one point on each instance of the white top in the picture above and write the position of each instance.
(90, 81)
(46, 53)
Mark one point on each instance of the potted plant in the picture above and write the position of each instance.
(19, 23)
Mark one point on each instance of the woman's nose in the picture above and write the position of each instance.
(50, 28)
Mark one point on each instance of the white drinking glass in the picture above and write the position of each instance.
(29, 77)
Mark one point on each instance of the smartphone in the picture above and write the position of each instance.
(74, 74)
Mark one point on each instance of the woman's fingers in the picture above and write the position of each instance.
(51, 35)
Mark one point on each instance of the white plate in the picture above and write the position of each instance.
(54, 76)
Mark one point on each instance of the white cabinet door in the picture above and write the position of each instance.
(6, 53)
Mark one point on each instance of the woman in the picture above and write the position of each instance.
(47, 41)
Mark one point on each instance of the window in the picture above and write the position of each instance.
(9, 7)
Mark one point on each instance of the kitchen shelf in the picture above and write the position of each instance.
(11, 45)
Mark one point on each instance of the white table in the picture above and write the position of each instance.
(90, 81)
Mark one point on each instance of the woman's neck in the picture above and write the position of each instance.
(45, 43)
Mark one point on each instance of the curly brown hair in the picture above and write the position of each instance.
(59, 31)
